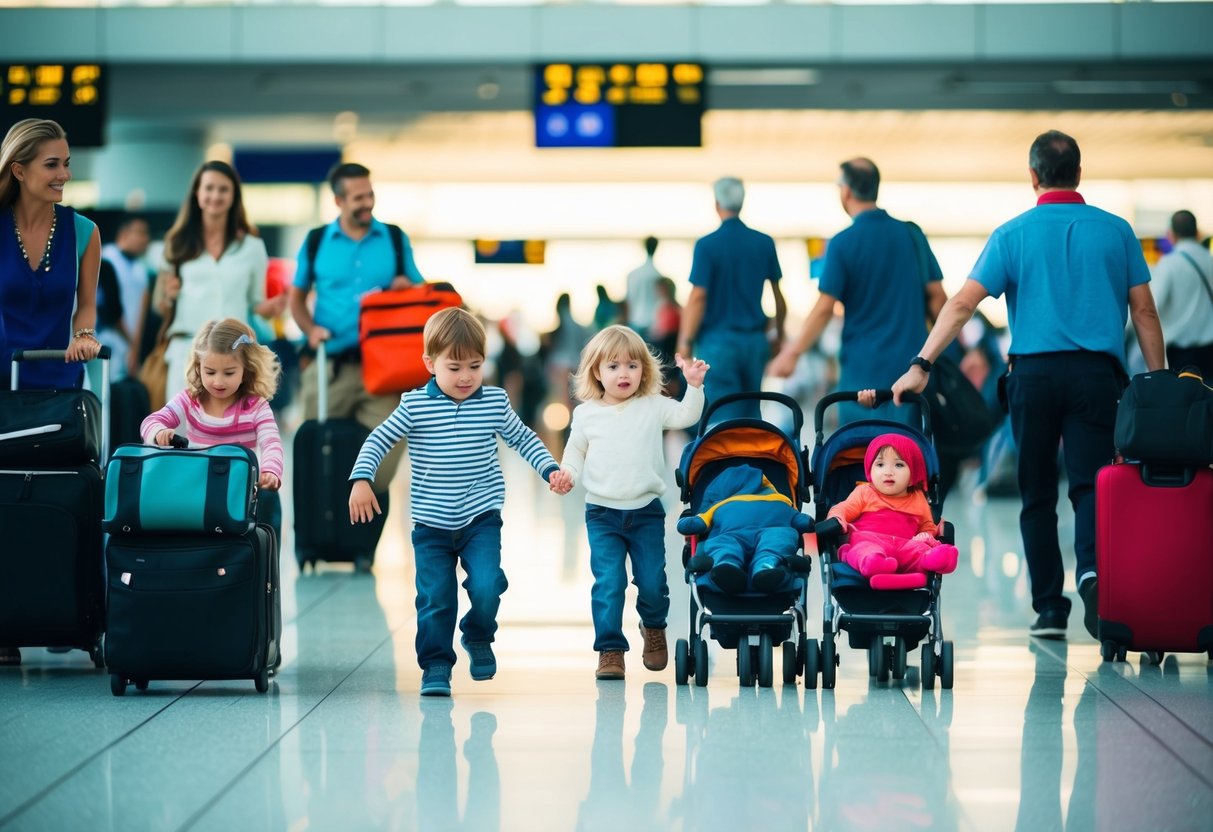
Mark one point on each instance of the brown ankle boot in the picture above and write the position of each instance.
(655, 654)
(610, 665)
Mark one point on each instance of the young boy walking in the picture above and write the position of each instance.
(457, 493)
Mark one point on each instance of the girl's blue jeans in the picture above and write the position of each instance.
(615, 534)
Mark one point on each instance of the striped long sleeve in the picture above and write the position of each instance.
(248, 423)
(453, 452)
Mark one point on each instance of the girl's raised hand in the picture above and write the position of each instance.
(694, 371)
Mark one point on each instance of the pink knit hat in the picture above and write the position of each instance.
(906, 448)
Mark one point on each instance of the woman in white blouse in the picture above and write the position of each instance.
(214, 265)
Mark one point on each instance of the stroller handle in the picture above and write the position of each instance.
(761, 395)
(882, 397)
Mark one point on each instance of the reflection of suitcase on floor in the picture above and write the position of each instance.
(323, 456)
(193, 607)
(1154, 550)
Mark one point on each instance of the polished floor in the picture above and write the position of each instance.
(1033, 736)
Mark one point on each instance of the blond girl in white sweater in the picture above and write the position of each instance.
(616, 451)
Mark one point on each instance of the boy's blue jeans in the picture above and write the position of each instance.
(614, 534)
(477, 547)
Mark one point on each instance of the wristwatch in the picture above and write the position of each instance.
(919, 361)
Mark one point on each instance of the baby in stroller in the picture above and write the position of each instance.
(877, 480)
(743, 482)
(893, 539)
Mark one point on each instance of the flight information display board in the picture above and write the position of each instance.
(71, 94)
(619, 105)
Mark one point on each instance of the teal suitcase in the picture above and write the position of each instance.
(156, 490)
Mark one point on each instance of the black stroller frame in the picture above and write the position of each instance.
(887, 623)
(750, 622)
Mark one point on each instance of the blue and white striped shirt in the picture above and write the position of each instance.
(453, 452)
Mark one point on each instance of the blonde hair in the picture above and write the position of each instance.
(21, 147)
(618, 342)
(457, 330)
(231, 336)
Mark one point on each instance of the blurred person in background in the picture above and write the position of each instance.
(126, 255)
(640, 305)
(213, 265)
(1183, 290)
(723, 318)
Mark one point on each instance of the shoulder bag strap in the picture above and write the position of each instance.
(312, 248)
(1204, 281)
(397, 236)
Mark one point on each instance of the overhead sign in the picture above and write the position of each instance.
(516, 252)
(619, 105)
(71, 94)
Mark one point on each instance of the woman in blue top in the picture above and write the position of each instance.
(49, 258)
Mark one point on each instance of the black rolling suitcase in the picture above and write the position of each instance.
(129, 406)
(324, 453)
(52, 593)
(193, 607)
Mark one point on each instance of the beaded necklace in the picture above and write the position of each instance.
(45, 262)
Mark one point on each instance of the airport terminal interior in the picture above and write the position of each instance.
(440, 101)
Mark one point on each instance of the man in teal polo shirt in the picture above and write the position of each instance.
(355, 256)
(1070, 273)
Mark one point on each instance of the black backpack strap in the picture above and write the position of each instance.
(312, 248)
(397, 237)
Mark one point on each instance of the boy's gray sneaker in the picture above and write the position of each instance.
(436, 680)
(483, 662)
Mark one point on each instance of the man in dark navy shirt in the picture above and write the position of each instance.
(723, 317)
(874, 268)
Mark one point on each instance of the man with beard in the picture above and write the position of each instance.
(341, 262)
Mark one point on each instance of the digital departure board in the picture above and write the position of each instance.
(71, 94)
(510, 252)
(619, 105)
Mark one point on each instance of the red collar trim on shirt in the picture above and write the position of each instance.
(1061, 198)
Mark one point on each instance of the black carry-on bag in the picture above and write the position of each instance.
(52, 593)
(193, 607)
(324, 453)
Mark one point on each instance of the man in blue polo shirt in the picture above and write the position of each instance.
(1070, 272)
(723, 317)
(355, 256)
(874, 269)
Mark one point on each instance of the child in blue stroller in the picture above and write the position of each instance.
(743, 482)
(882, 582)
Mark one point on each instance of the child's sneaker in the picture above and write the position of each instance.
(655, 654)
(483, 662)
(436, 680)
(610, 665)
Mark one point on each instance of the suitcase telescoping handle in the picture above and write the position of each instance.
(58, 355)
(322, 383)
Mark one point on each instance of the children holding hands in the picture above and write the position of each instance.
(457, 493)
(616, 450)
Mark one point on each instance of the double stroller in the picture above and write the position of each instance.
(887, 623)
(749, 613)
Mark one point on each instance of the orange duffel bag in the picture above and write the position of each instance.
(390, 325)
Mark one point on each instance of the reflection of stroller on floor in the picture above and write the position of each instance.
(752, 593)
(886, 623)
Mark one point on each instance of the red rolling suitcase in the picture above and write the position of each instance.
(1154, 556)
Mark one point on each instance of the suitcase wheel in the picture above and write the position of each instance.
(97, 655)
(1154, 657)
(117, 684)
(262, 680)
(140, 684)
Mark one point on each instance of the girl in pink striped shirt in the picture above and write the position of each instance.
(229, 381)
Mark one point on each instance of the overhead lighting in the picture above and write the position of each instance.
(763, 77)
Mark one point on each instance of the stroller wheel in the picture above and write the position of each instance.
(701, 663)
(879, 654)
(829, 663)
(766, 661)
(945, 666)
(745, 672)
(875, 647)
(899, 658)
(812, 663)
(791, 667)
(682, 661)
(928, 666)
(1108, 651)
